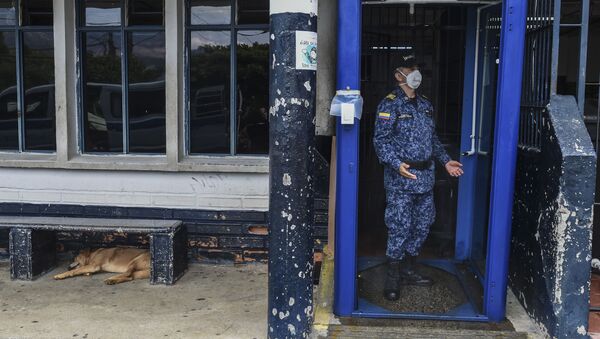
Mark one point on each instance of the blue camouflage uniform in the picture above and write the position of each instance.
(405, 132)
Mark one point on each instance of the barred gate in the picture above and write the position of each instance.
(537, 66)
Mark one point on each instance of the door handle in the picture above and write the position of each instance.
(472, 150)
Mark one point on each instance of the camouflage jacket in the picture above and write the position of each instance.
(404, 132)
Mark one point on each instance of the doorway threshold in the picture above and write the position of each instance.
(327, 324)
(455, 295)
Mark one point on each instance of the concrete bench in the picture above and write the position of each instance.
(32, 243)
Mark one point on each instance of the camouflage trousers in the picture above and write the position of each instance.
(408, 217)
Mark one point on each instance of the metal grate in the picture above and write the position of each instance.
(535, 93)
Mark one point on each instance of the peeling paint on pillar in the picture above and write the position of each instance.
(292, 142)
(552, 223)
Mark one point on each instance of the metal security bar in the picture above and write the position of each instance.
(582, 26)
(538, 63)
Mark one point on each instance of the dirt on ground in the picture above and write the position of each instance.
(210, 301)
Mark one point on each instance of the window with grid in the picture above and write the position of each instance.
(27, 107)
(227, 74)
(122, 76)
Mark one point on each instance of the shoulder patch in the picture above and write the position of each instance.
(391, 96)
(384, 115)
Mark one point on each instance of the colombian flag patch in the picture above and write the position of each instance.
(384, 115)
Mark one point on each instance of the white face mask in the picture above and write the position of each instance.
(413, 79)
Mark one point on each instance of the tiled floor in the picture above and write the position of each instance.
(594, 326)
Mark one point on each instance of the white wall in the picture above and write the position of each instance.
(211, 191)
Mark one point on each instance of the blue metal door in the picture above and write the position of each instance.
(495, 161)
(477, 137)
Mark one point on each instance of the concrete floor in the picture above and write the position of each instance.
(210, 301)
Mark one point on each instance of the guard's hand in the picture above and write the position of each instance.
(454, 168)
(405, 173)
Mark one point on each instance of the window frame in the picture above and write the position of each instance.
(69, 155)
(233, 27)
(18, 29)
(124, 29)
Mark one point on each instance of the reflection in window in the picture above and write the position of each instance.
(222, 122)
(29, 89)
(7, 13)
(38, 85)
(9, 125)
(209, 116)
(102, 118)
(102, 13)
(253, 92)
(117, 58)
(146, 74)
(210, 12)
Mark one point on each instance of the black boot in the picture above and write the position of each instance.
(391, 291)
(410, 275)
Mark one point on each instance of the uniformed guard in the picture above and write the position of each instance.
(406, 144)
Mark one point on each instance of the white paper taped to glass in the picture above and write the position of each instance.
(347, 104)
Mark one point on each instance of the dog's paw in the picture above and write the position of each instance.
(58, 277)
(110, 281)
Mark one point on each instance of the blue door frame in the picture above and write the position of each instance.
(346, 303)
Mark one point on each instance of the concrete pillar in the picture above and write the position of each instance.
(326, 76)
(292, 142)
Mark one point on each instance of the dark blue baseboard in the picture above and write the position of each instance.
(213, 236)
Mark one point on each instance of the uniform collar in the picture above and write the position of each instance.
(402, 95)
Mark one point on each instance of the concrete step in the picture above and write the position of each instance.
(365, 332)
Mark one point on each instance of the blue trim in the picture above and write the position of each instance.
(461, 313)
(514, 13)
(346, 213)
(467, 183)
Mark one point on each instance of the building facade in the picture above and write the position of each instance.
(159, 109)
(139, 108)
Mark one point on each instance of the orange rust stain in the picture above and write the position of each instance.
(258, 230)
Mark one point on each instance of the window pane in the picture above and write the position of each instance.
(209, 92)
(253, 92)
(7, 13)
(38, 82)
(103, 121)
(37, 13)
(210, 12)
(9, 137)
(146, 72)
(253, 12)
(146, 12)
(102, 13)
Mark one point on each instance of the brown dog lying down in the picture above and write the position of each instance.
(132, 263)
